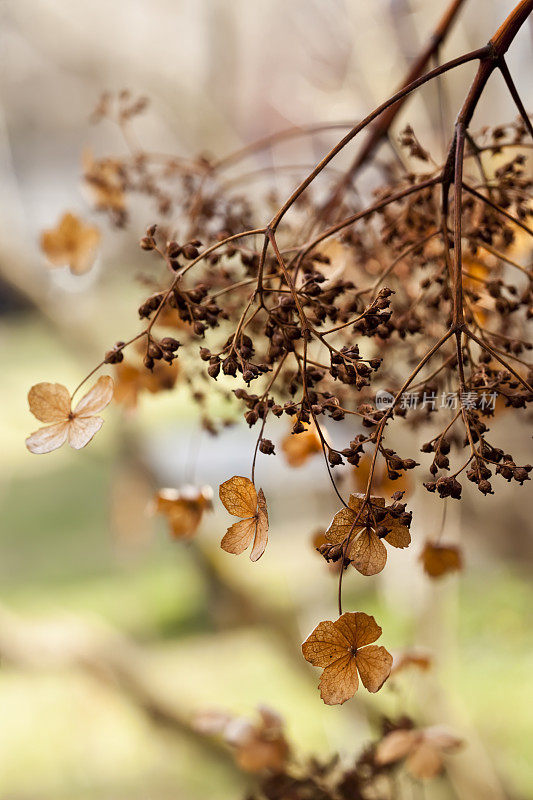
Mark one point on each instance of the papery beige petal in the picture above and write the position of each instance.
(96, 398)
(374, 664)
(49, 402)
(239, 731)
(442, 737)
(82, 429)
(53, 247)
(261, 534)
(239, 536)
(396, 745)
(339, 681)
(47, 439)
(239, 496)
(211, 722)
(368, 553)
(338, 647)
(425, 761)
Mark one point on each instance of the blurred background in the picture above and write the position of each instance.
(112, 636)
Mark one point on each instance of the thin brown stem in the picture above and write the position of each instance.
(456, 62)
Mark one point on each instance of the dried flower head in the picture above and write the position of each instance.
(423, 749)
(240, 498)
(345, 650)
(363, 526)
(257, 746)
(51, 403)
(71, 244)
(184, 508)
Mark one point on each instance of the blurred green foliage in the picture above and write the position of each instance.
(69, 736)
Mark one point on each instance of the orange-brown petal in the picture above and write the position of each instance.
(368, 553)
(49, 402)
(342, 526)
(239, 536)
(325, 644)
(239, 496)
(339, 681)
(439, 559)
(359, 628)
(374, 664)
(399, 535)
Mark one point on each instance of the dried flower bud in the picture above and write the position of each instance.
(266, 447)
(169, 343)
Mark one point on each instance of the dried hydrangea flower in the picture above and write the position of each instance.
(52, 403)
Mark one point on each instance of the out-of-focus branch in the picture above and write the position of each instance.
(382, 124)
(108, 656)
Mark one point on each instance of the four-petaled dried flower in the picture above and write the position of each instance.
(71, 244)
(345, 649)
(51, 402)
(422, 749)
(361, 528)
(184, 508)
(241, 499)
(440, 559)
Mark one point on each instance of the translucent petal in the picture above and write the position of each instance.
(239, 536)
(239, 496)
(96, 398)
(49, 402)
(47, 439)
(82, 429)
(261, 534)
